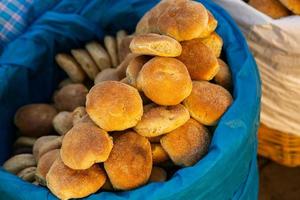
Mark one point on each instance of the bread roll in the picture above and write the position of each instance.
(35, 120)
(84, 145)
(27, 174)
(293, 5)
(130, 162)
(99, 55)
(65, 82)
(134, 67)
(124, 49)
(223, 77)
(187, 144)
(109, 74)
(211, 26)
(45, 144)
(111, 47)
(214, 42)
(200, 61)
(272, 8)
(122, 67)
(63, 122)
(161, 120)
(71, 67)
(180, 19)
(66, 183)
(158, 174)
(44, 164)
(159, 155)
(86, 62)
(114, 106)
(156, 45)
(154, 139)
(207, 102)
(19, 162)
(161, 76)
(78, 114)
(24, 142)
(70, 97)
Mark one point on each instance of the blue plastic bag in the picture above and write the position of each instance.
(29, 74)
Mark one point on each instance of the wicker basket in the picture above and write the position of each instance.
(280, 147)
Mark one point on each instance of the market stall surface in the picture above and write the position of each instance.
(278, 182)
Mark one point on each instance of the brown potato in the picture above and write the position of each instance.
(35, 120)
(70, 97)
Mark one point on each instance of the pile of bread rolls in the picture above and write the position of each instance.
(143, 117)
(277, 8)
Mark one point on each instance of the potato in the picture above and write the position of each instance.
(35, 120)
(70, 97)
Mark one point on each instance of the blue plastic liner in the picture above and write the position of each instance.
(28, 74)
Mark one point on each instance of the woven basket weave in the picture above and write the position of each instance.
(283, 148)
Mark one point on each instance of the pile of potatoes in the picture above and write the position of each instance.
(156, 93)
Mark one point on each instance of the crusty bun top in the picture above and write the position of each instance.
(165, 81)
(207, 102)
(84, 145)
(200, 60)
(114, 106)
(155, 44)
(67, 183)
(180, 19)
(130, 162)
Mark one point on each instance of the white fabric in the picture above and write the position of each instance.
(276, 47)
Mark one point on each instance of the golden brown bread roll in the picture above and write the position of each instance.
(122, 67)
(84, 145)
(211, 26)
(134, 67)
(70, 97)
(63, 122)
(66, 183)
(207, 102)
(293, 5)
(187, 144)
(130, 162)
(44, 164)
(45, 144)
(78, 114)
(214, 42)
(86, 62)
(223, 77)
(200, 61)
(35, 120)
(272, 8)
(159, 155)
(71, 67)
(156, 45)
(161, 76)
(158, 174)
(114, 106)
(180, 19)
(160, 120)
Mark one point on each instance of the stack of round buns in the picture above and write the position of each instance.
(134, 128)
